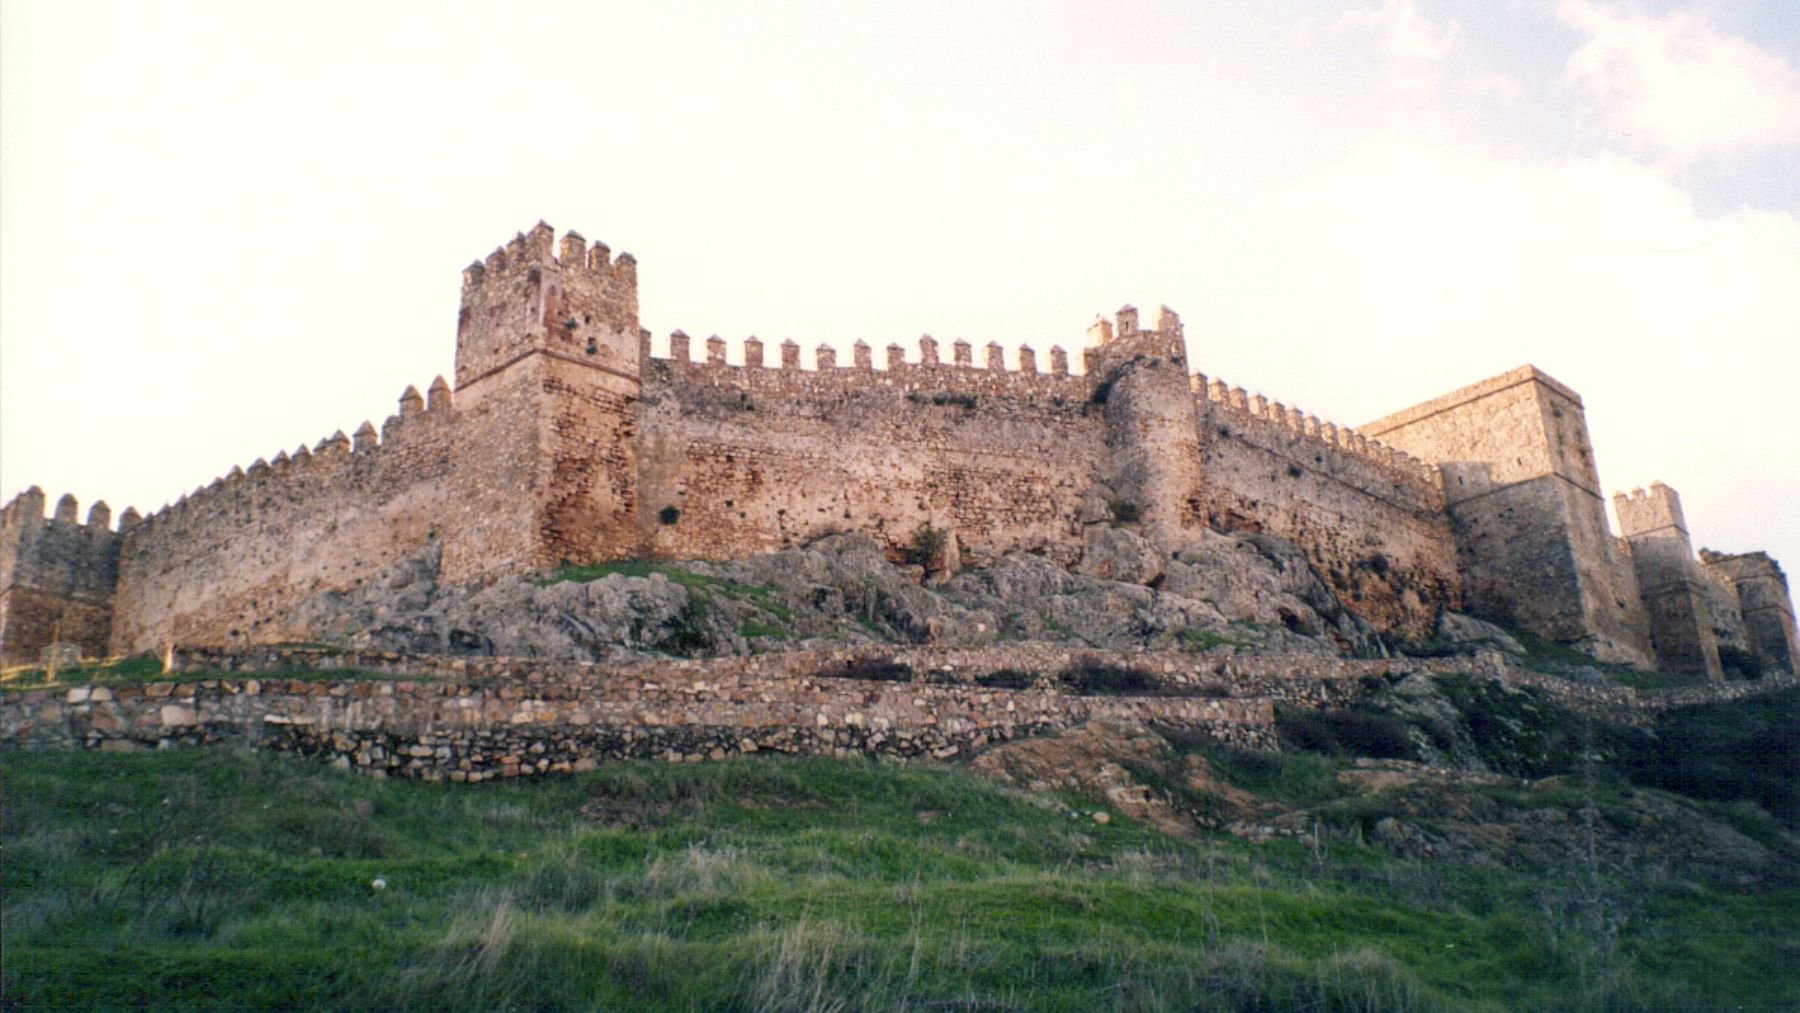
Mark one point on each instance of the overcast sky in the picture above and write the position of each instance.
(230, 228)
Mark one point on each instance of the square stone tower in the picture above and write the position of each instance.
(1654, 527)
(1526, 511)
(548, 353)
(1764, 602)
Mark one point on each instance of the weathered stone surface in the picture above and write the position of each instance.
(843, 588)
(1111, 553)
(1473, 634)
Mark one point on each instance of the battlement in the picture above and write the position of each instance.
(1656, 510)
(928, 360)
(1243, 406)
(566, 440)
(1124, 338)
(539, 250)
(333, 451)
(28, 507)
(57, 575)
(570, 300)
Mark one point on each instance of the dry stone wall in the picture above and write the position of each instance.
(471, 719)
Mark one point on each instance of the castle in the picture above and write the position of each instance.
(565, 440)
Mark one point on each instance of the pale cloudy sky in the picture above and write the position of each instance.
(229, 228)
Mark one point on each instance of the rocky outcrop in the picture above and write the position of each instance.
(1221, 593)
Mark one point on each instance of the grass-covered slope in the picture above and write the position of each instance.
(215, 879)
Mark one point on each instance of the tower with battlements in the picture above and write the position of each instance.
(1655, 533)
(548, 356)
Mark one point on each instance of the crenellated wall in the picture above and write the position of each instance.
(227, 563)
(566, 441)
(57, 576)
(1369, 517)
(734, 460)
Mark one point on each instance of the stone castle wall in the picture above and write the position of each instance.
(755, 458)
(57, 576)
(567, 442)
(1370, 519)
(1763, 605)
(1526, 511)
(228, 563)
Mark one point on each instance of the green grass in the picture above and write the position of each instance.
(753, 628)
(1195, 639)
(1639, 679)
(218, 879)
(136, 668)
(701, 587)
(146, 669)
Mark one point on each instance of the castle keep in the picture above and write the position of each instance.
(565, 440)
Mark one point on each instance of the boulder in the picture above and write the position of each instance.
(1117, 554)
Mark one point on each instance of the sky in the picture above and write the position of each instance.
(227, 229)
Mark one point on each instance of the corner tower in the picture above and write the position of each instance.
(548, 353)
(1655, 529)
(1526, 511)
(1152, 427)
(1763, 601)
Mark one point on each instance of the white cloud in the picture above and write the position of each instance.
(1406, 34)
(1676, 85)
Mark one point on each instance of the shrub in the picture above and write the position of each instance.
(878, 669)
(669, 514)
(928, 545)
(1125, 511)
(1344, 732)
(1006, 678)
(1098, 679)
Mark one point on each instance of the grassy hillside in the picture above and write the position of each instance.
(195, 879)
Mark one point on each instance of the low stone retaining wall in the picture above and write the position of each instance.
(470, 719)
(506, 718)
(1636, 707)
(1297, 678)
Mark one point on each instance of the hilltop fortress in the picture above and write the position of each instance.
(565, 440)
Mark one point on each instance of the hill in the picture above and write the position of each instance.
(1309, 879)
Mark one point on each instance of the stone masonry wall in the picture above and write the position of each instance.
(1763, 602)
(1369, 518)
(481, 718)
(756, 458)
(548, 354)
(228, 563)
(568, 443)
(57, 576)
(1526, 511)
(470, 719)
(1655, 531)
